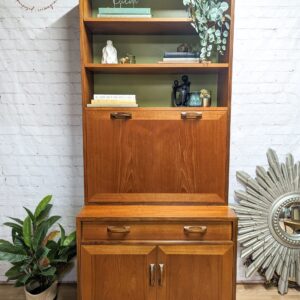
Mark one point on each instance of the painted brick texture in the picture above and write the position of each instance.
(40, 113)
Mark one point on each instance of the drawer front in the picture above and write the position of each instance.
(93, 231)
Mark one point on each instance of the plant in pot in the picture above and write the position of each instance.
(37, 254)
(211, 20)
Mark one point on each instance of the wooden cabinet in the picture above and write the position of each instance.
(139, 272)
(184, 153)
(156, 252)
(155, 224)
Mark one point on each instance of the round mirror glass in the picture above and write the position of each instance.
(289, 219)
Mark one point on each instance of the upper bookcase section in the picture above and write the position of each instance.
(168, 17)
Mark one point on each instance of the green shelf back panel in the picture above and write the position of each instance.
(152, 90)
(163, 8)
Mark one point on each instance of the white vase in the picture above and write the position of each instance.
(48, 294)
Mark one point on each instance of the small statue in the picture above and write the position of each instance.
(180, 93)
(184, 48)
(128, 59)
(206, 97)
(109, 54)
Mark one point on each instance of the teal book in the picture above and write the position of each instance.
(124, 11)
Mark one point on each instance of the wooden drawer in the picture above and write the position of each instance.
(93, 231)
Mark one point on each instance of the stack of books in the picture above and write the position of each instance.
(101, 100)
(107, 12)
(180, 57)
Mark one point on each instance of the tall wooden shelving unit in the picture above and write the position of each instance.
(156, 224)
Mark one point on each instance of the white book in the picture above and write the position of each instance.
(184, 59)
(113, 102)
(113, 97)
(110, 105)
(124, 16)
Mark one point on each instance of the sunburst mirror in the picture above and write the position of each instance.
(269, 221)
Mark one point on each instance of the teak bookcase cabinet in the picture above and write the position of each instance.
(155, 224)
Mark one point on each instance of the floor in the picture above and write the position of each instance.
(244, 292)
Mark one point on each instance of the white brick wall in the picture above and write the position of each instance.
(40, 117)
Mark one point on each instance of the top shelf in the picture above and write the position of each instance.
(167, 26)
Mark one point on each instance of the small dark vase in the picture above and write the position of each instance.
(180, 93)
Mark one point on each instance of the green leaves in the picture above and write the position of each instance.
(27, 231)
(212, 23)
(37, 256)
(11, 253)
(42, 206)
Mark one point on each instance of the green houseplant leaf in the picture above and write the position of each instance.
(38, 255)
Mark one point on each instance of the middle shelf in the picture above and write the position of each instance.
(156, 68)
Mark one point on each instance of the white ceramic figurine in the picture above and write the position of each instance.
(109, 54)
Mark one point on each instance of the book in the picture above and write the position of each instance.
(114, 97)
(110, 105)
(124, 11)
(124, 16)
(181, 54)
(113, 102)
(179, 62)
(181, 59)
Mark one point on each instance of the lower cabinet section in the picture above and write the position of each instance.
(162, 272)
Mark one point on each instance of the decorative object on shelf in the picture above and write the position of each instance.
(128, 59)
(37, 5)
(212, 23)
(184, 48)
(206, 97)
(125, 2)
(38, 256)
(194, 100)
(180, 93)
(269, 222)
(109, 54)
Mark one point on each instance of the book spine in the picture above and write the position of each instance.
(124, 16)
(181, 59)
(113, 102)
(114, 97)
(124, 11)
(111, 105)
(180, 54)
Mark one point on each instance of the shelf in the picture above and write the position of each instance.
(156, 68)
(159, 109)
(170, 26)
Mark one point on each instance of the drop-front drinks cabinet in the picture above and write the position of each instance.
(155, 223)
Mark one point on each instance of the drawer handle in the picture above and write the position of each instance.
(191, 115)
(161, 274)
(195, 229)
(152, 274)
(121, 116)
(118, 229)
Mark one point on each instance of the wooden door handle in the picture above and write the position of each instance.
(191, 115)
(195, 229)
(118, 229)
(152, 269)
(121, 116)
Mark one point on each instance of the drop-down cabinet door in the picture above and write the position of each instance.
(156, 156)
(188, 272)
(117, 272)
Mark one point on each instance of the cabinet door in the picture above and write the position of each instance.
(117, 272)
(156, 154)
(191, 272)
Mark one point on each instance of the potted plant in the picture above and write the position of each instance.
(211, 20)
(37, 254)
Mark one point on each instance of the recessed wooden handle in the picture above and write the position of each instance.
(161, 274)
(191, 115)
(195, 229)
(121, 116)
(118, 229)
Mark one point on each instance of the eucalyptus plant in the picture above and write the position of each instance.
(212, 23)
(38, 255)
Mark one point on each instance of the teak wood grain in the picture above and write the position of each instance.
(96, 231)
(156, 152)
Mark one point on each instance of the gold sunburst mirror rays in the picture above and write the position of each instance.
(269, 221)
